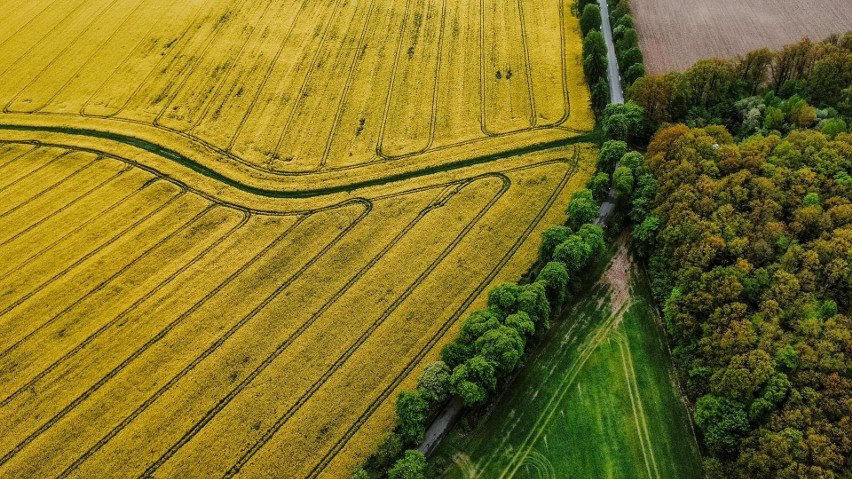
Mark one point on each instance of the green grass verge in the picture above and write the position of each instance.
(598, 400)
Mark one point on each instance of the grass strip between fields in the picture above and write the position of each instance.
(306, 193)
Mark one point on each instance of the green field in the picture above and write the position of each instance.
(599, 399)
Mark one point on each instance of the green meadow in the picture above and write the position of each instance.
(600, 399)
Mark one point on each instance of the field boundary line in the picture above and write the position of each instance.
(527, 65)
(125, 168)
(282, 346)
(56, 156)
(177, 78)
(290, 194)
(31, 20)
(82, 397)
(157, 67)
(40, 40)
(403, 29)
(16, 158)
(241, 125)
(192, 66)
(121, 62)
(570, 171)
(345, 95)
(434, 110)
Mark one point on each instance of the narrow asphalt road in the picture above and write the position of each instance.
(454, 409)
(615, 93)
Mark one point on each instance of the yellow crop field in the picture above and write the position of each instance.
(232, 231)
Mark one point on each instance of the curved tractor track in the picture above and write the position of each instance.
(167, 282)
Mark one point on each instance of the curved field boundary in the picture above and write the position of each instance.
(483, 120)
(381, 158)
(440, 200)
(197, 167)
(89, 255)
(434, 110)
(306, 79)
(390, 388)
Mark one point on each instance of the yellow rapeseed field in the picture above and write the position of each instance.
(231, 231)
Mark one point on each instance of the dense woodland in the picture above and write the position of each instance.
(804, 85)
(749, 246)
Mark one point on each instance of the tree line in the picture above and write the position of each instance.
(492, 341)
(803, 85)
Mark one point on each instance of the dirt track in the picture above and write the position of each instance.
(674, 34)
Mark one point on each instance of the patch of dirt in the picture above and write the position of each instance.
(617, 278)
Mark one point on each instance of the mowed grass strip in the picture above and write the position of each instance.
(599, 400)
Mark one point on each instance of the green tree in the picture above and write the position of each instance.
(574, 253)
(411, 466)
(533, 301)
(473, 380)
(599, 94)
(502, 347)
(773, 118)
(624, 122)
(590, 19)
(832, 127)
(628, 39)
(456, 352)
(622, 181)
(521, 323)
(722, 422)
(434, 383)
(593, 235)
(555, 277)
(633, 73)
(550, 239)
(629, 57)
(594, 56)
(411, 411)
(582, 208)
(633, 160)
(503, 299)
(610, 154)
(599, 186)
(480, 322)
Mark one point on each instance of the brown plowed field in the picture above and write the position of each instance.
(674, 34)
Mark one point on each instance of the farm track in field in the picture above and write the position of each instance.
(162, 264)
